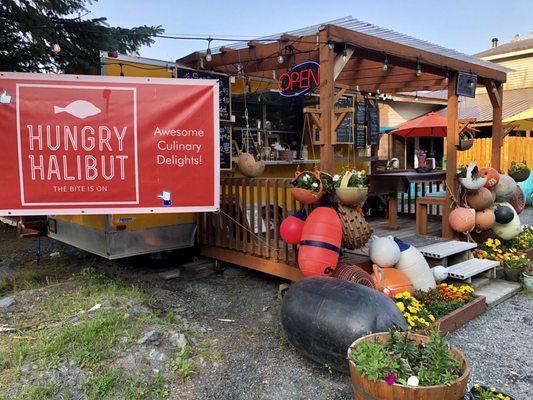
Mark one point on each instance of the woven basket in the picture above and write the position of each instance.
(355, 229)
(353, 273)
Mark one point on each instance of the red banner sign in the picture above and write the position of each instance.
(96, 145)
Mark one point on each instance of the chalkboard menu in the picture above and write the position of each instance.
(225, 147)
(360, 137)
(360, 113)
(224, 91)
(345, 130)
(372, 124)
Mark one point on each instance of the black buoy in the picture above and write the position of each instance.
(322, 316)
(503, 214)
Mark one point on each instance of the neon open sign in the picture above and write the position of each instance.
(299, 79)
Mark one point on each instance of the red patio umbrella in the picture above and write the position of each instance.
(429, 125)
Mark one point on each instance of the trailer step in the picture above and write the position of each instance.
(445, 249)
(467, 269)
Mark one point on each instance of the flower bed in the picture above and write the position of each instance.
(479, 392)
(447, 306)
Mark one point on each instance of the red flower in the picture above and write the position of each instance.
(390, 379)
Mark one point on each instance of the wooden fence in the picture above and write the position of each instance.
(514, 149)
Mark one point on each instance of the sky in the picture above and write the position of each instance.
(467, 26)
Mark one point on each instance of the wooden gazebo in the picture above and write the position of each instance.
(351, 55)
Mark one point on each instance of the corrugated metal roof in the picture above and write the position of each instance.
(382, 33)
(514, 102)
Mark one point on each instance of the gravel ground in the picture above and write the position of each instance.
(254, 361)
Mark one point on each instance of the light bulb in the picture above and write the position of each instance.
(418, 70)
(280, 59)
(447, 80)
(416, 97)
(208, 56)
(385, 67)
(56, 48)
(344, 58)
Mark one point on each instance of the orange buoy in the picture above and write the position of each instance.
(493, 177)
(391, 281)
(319, 249)
(479, 199)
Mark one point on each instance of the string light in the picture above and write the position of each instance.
(208, 56)
(447, 76)
(386, 63)
(418, 68)
(56, 48)
(416, 96)
(134, 52)
(280, 58)
(344, 53)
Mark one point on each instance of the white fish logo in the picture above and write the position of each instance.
(5, 98)
(79, 108)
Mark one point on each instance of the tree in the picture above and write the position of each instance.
(29, 29)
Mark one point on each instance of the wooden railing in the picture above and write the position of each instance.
(407, 200)
(251, 211)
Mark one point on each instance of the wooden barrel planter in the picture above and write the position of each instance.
(365, 389)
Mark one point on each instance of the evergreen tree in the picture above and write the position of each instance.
(29, 29)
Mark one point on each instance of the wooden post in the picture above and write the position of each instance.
(451, 157)
(327, 96)
(497, 132)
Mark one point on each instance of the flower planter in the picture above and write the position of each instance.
(352, 196)
(520, 176)
(512, 274)
(457, 318)
(465, 144)
(307, 196)
(528, 282)
(473, 184)
(365, 389)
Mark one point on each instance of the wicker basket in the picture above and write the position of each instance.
(355, 228)
(286, 155)
(353, 273)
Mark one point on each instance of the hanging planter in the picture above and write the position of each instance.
(466, 141)
(249, 166)
(470, 178)
(519, 171)
(350, 188)
(307, 187)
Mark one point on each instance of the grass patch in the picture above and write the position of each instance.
(182, 363)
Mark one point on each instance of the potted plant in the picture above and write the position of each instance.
(307, 187)
(528, 277)
(519, 171)
(470, 178)
(480, 392)
(351, 187)
(401, 366)
(513, 266)
(466, 141)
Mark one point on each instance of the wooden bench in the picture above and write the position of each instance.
(422, 204)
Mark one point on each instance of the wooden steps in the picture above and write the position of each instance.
(467, 269)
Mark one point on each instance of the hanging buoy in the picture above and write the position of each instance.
(462, 219)
(504, 213)
(292, 227)
(492, 176)
(518, 201)
(485, 219)
(479, 199)
(505, 189)
(511, 229)
(320, 246)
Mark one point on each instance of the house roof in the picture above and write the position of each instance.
(514, 102)
(376, 31)
(510, 47)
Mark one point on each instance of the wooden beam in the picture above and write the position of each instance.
(494, 96)
(451, 157)
(340, 93)
(497, 134)
(340, 62)
(394, 49)
(327, 101)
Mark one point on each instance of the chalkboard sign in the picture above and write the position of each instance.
(345, 130)
(360, 137)
(225, 147)
(224, 91)
(360, 113)
(372, 124)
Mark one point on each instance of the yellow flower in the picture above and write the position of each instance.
(497, 242)
(431, 317)
(492, 389)
(476, 385)
(401, 306)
